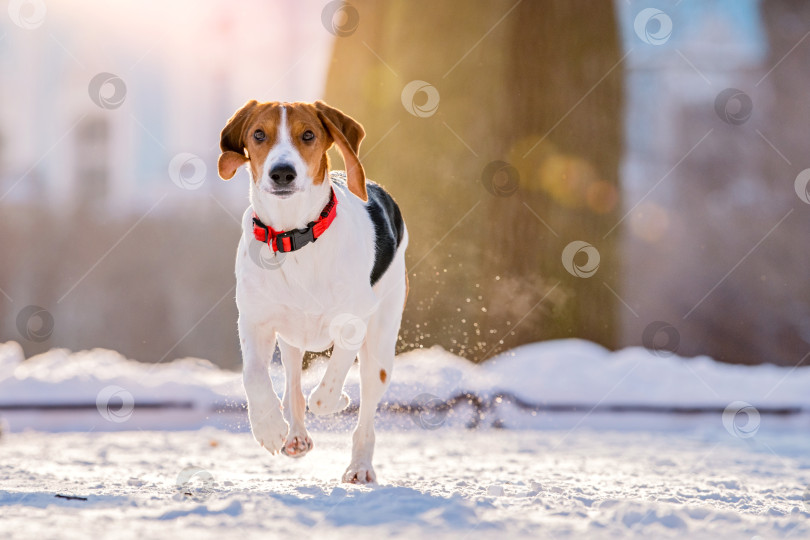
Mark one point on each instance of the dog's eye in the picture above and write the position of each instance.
(308, 135)
(259, 135)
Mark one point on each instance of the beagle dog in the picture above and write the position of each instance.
(321, 263)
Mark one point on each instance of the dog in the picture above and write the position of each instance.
(336, 244)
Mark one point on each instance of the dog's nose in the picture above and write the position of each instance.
(282, 174)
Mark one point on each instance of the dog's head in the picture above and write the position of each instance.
(285, 144)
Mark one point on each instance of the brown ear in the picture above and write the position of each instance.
(232, 142)
(347, 134)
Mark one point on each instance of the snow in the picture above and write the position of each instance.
(451, 483)
(194, 469)
(559, 372)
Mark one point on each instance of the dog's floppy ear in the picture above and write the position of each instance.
(232, 142)
(347, 134)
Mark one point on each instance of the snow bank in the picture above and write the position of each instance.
(61, 377)
(565, 372)
(574, 371)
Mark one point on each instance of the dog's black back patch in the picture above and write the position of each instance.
(388, 225)
(388, 228)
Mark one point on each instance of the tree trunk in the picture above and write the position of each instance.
(534, 85)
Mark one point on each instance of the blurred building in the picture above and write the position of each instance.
(176, 72)
(98, 98)
(706, 249)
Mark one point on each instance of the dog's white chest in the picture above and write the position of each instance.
(300, 294)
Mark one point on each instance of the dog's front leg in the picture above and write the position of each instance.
(375, 370)
(376, 363)
(298, 441)
(264, 408)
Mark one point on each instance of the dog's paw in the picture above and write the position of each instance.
(269, 428)
(360, 473)
(297, 446)
(322, 403)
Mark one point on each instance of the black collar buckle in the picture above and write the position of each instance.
(298, 238)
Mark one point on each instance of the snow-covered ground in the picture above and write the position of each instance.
(734, 470)
(451, 483)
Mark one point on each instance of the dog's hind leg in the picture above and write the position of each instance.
(328, 397)
(298, 441)
(264, 408)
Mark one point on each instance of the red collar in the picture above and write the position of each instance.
(285, 241)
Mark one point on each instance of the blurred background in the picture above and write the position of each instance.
(632, 173)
